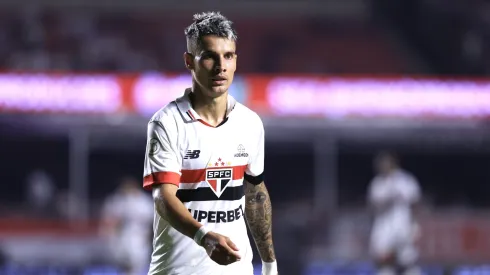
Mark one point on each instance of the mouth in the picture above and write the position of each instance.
(218, 80)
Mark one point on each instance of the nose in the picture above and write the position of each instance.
(220, 65)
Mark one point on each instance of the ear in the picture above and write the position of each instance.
(188, 61)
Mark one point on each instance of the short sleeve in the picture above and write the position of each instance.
(413, 190)
(162, 160)
(255, 168)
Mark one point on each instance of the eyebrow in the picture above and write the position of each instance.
(213, 52)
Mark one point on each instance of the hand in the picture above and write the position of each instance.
(220, 248)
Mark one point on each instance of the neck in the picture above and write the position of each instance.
(389, 172)
(211, 110)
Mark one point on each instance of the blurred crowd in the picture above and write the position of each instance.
(80, 40)
(394, 40)
(454, 36)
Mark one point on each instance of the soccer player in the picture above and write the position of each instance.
(126, 223)
(392, 194)
(205, 164)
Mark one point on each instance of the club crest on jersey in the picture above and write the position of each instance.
(218, 176)
(154, 147)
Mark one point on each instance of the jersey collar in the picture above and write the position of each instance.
(185, 106)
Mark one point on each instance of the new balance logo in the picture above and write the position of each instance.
(192, 154)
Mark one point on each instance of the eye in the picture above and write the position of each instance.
(229, 55)
(206, 56)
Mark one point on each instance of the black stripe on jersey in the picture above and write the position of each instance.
(206, 194)
(255, 180)
(222, 122)
(189, 115)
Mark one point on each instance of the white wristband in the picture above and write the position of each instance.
(269, 268)
(200, 234)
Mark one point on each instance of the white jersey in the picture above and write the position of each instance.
(208, 164)
(399, 186)
(394, 229)
(134, 213)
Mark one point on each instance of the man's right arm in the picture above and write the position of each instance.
(162, 175)
(170, 208)
(220, 248)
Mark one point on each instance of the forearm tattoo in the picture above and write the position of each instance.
(258, 211)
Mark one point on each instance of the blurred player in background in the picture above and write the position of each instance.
(127, 219)
(393, 193)
(205, 165)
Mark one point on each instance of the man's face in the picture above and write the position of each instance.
(384, 164)
(214, 65)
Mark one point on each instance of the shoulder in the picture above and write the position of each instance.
(405, 174)
(167, 112)
(251, 118)
(376, 181)
(111, 202)
(166, 117)
(408, 178)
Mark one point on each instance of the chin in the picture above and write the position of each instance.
(218, 91)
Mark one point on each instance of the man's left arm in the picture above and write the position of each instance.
(416, 205)
(258, 208)
(258, 212)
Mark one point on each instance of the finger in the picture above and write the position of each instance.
(232, 252)
(231, 259)
(227, 254)
(223, 258)
(232, 245)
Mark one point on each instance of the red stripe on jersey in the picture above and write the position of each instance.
(198, 175)
(160, 178)
(205, 123)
